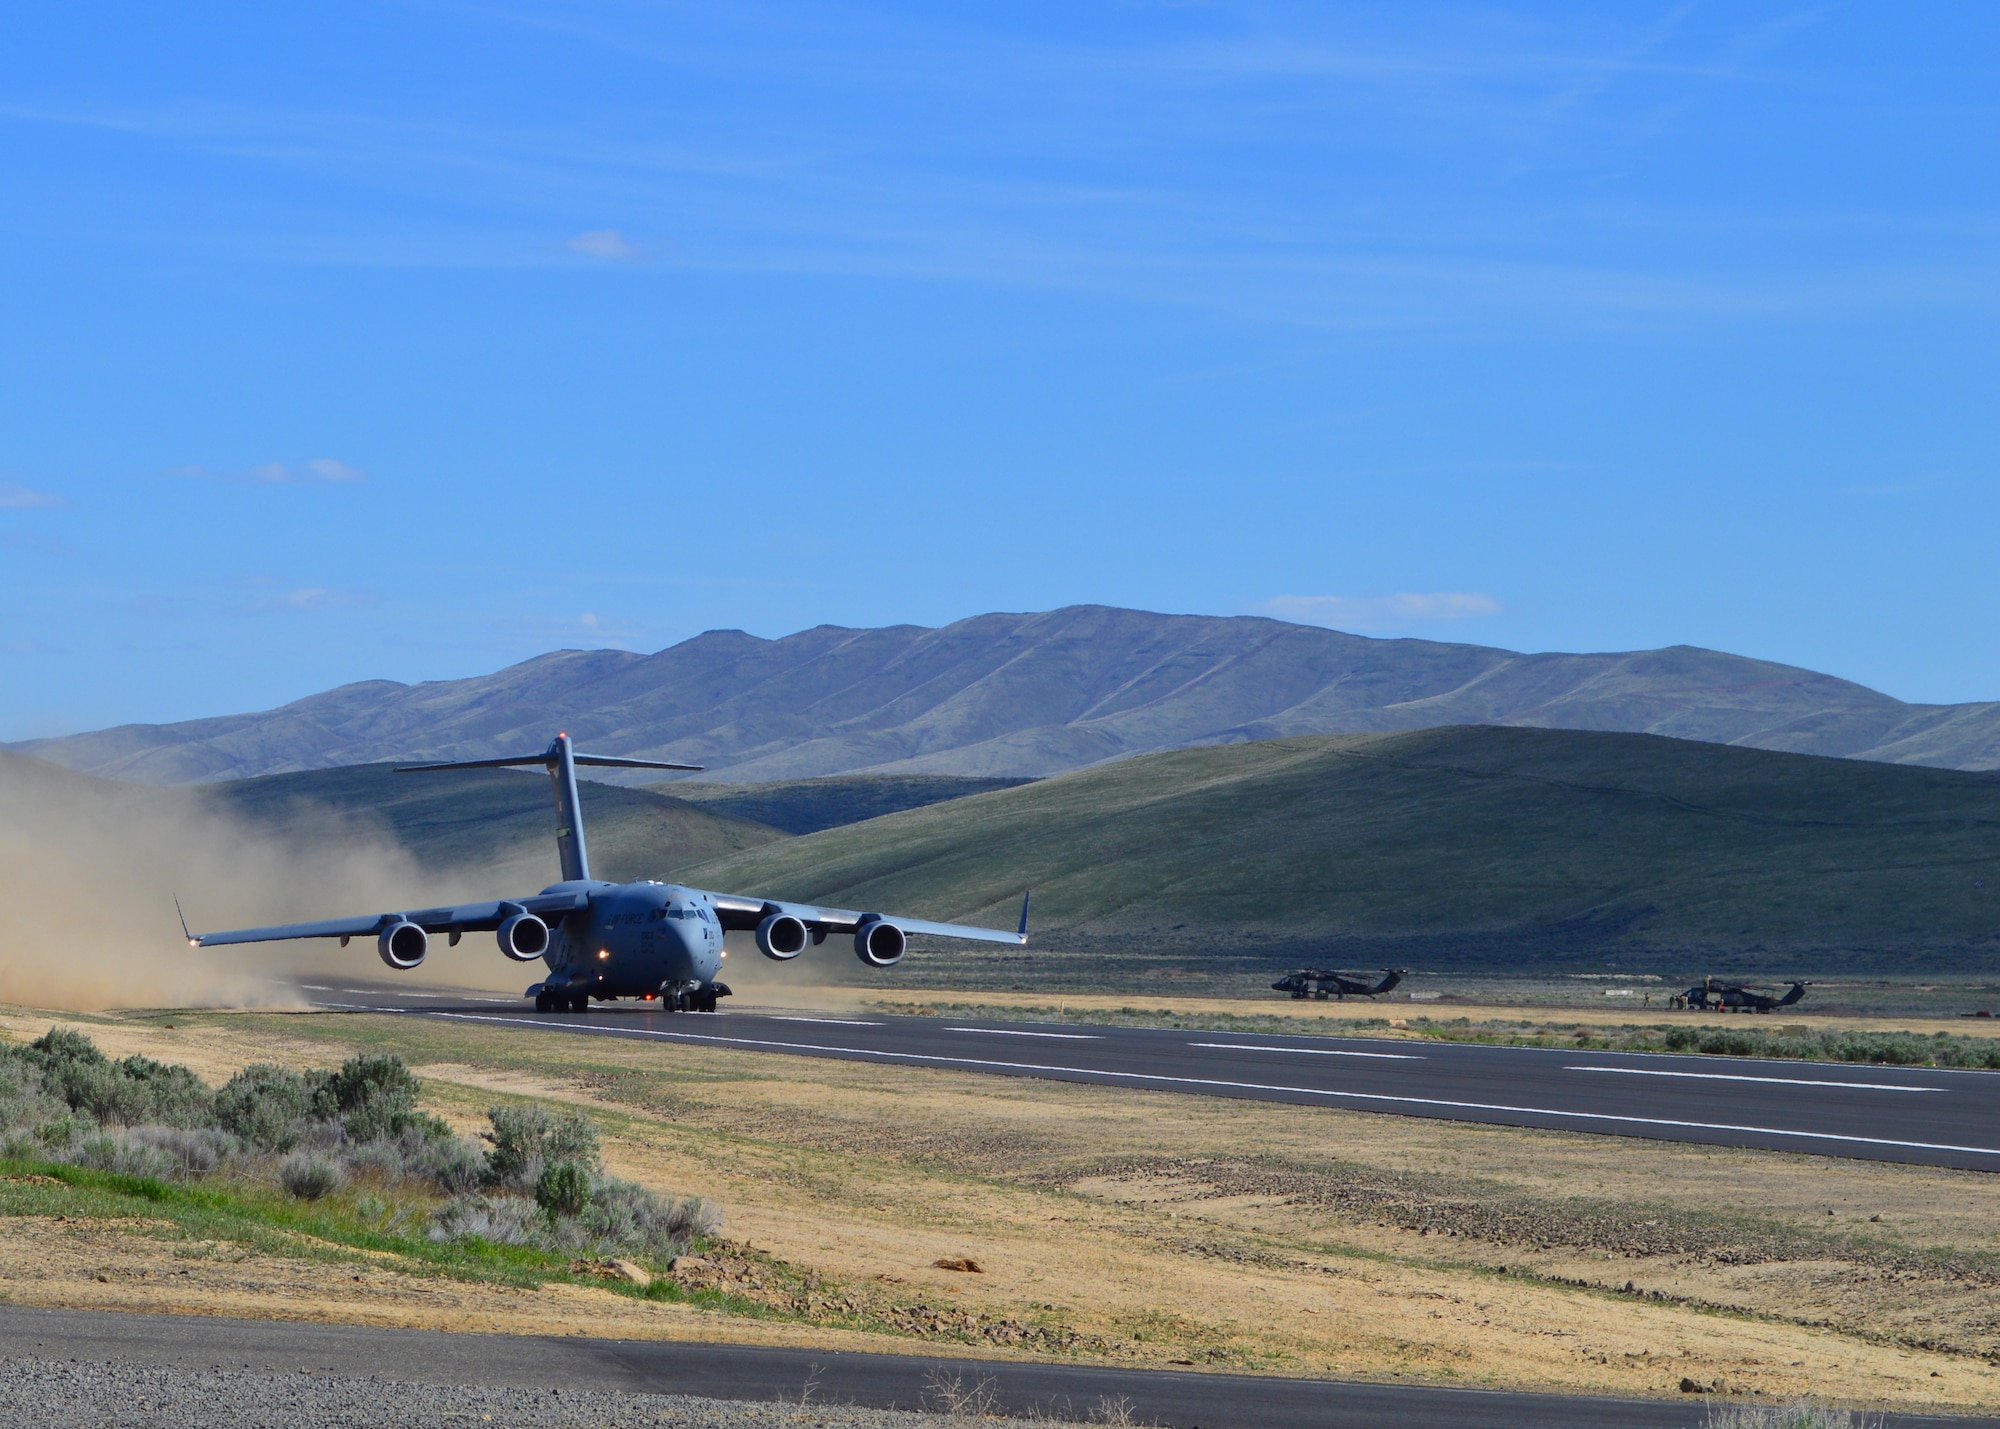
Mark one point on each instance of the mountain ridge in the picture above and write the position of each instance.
(1016, 695)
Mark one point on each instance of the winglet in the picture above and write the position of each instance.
(193, 941)
(1024, 916)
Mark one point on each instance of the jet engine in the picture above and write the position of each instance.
(781, 936)
(879, 943)
(403, 945)
(523, 937)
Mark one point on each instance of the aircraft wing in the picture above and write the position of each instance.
(738, 912)
(462, 918)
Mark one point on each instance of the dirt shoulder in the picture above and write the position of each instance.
(1139, 1227)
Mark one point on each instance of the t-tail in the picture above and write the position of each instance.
(561, 761)
(1390, 977)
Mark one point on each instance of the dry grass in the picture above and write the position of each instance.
(1388, 1017)
(1144, 1227)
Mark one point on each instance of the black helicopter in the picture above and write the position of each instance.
(1714, 995)
(1322, 984)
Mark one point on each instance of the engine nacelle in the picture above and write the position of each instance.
(879, 943)
(781, 936)
(403, 946)
(523, 937)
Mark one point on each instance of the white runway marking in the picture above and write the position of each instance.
(834, 1021)
(1010, 1032)
(1309, 1051)
(1242, 1086)
(1745, 1077)
(453, 996)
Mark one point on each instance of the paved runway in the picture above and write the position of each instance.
(1920, 1115)
(755, 1372)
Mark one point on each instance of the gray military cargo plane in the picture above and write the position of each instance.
(611, 940)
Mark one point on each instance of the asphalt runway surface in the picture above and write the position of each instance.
(1180, 1399)
(1919, 1115)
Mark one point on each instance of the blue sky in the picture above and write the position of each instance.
(405, 341)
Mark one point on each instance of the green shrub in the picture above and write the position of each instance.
(628, 1217)
(309, 1177)
(529, 1137)
(21, 1099)
(369, 1096)
(563, 1189)
(129, 1093)
(264, 1105)
(61, 1045)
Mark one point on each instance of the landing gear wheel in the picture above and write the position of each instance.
(580, 1002)
(705, 1002)
(545, 1002)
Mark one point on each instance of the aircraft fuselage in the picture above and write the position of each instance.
(633, 939)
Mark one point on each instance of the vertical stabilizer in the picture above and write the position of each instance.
(561, 761)
(570, 847)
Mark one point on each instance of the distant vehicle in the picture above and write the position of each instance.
(610, 940)
(1322, 984)
(1714, 995)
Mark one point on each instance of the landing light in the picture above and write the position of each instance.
(603, 953)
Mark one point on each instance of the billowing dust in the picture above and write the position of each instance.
(89, 871)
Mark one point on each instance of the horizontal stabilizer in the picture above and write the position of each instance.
(606, 762)
(546, 760)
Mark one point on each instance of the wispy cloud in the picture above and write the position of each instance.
(606, 244)
(991, 152)
(1380, 612)
(590, 631)
(268, 595)
(21, 498)
(319, 471)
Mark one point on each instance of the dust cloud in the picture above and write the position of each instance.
(89, 870)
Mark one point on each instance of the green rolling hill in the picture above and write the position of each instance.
(1453, 848)
(805, 806)
(474, 819)
(1475, 849)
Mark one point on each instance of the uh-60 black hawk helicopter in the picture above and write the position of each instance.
(1322, 984)
(1714, 995)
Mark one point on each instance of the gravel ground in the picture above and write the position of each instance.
(90, 1395)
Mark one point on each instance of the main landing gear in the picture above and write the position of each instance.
(688, 999)
(690, 996)
(562, 1002)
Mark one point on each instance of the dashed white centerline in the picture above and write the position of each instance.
(1746, 1077)
(1010, 1032)
(1309, 1051)
(1380, 1097)
(831, 1021)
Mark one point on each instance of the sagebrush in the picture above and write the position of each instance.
(314, 1134)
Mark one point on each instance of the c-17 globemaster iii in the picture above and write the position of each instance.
(610, 940)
